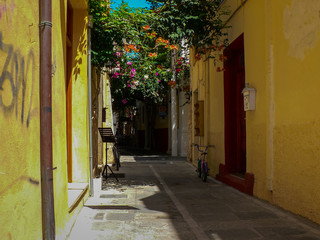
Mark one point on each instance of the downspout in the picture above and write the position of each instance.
(174, 115)
(47, 195)
(234, 12)
(207, 105)
(90, 105)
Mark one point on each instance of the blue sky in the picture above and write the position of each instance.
(132, 3)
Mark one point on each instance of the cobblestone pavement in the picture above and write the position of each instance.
(159, 197)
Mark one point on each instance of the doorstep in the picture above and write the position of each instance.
(76, 192)
(243, 184)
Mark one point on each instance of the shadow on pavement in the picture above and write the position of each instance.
(160, 215)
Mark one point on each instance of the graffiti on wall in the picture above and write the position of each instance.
(17, 79)
(4, 10)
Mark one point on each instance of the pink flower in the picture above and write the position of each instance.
(116, 75)
(124, 101)
(133, 72)
(157, 74)
(118, 54)
(129, 63)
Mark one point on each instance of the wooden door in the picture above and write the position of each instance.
(235, 124)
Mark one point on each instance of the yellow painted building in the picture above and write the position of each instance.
(102, 116)
(273, 150)
(20, 174)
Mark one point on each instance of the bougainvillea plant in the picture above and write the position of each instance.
(199, 22)
(139, 44)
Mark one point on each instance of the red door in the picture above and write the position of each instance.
(235, 124)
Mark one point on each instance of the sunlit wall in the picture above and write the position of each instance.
(281, 46)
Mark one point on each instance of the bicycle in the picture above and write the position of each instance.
(202, 164)
(116, 156)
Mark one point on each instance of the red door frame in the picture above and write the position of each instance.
(235, 124)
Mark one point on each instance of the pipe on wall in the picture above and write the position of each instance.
(243, 2)
(174, 115)
(47, 198)
(90, 25)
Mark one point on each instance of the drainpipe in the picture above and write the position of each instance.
(174, 115)
(47, 198)
(90, 105)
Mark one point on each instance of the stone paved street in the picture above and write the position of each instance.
(159, 197)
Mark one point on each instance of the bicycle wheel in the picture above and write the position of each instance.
(204, 173)
(199, 168)
(116, 157)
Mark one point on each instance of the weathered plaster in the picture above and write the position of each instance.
(301, 26)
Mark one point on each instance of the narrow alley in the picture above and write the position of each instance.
(161, 197)
(230, 82)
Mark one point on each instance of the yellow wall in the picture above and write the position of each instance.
(109, 119)
(59, 116)
(282, 45)
(80, 124)
(296, 94)
(207, 85)
(108, 103)
(20, 189)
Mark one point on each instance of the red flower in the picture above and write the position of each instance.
(222, 57)
(172, 84)
(173, 47)
(198, 57)
(152, 55)
(159, 39)
(129, 47)
(154, 34)
(220, 70)
(220, 48)
(146, 27)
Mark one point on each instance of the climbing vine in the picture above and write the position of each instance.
(139, 44)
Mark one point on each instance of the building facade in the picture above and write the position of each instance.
(259, 103)
(20, 165)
